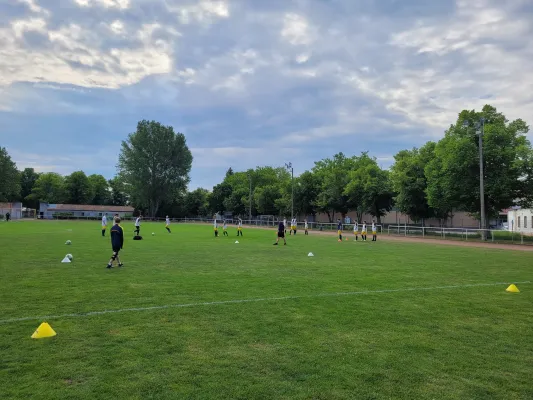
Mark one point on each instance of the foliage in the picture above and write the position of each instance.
(100, 191)
(196, 203)
(118, 196)
(49, 188)
(154, 163)
(77, 188)
(9, 177)
(28, 178)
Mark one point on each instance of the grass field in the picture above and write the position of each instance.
(368, 320)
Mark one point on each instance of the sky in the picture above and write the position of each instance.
(253, 82)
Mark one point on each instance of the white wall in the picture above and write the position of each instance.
(525, 215)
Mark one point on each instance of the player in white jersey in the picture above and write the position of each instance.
(215, 226)
(363, 232)
(138, 225)
(225, 228)
(306, 227)
(293, 225)
(167, 224)
(285, 224)
(104, 224)
(239, 227)
(374, 232)
(356, 230)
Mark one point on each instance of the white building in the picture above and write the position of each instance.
(520, 220)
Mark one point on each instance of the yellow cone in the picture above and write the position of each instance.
(512, 289)
(43, 331)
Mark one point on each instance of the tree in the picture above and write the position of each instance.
(9, 177)
(28, 179)
(100, 190)
(266, 199)
(155, 163)
(334, 176)
(508, 168)
(49, 188)
(369, 189)
(196, 204)
(216, 198)
(118, 196)
(306, 190)
(78, 188)
(409, 182)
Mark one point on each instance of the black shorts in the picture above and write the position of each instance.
(116, 249)
(281, 235)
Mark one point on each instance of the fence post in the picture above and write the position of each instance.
(423, 232)
(492, 234)
(466, 234)
(521, 238)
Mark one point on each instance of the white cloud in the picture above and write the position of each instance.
(204, 11)
(247, 157)
(296, 30)
(120, 4)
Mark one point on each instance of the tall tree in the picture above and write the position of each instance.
(28, 178)
(100, 190)
(409, 182)
(369, 189)
(196, 203)
(118, 196)
(9, 177)
(78, 188)
(508, 167)
(216, 199)
(333, 174)
(155, 163)
(49, 188)
(306, 190)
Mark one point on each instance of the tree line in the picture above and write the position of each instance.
(432, 181)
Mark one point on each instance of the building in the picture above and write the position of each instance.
(59, 211)
(519, 220)
(14, 209)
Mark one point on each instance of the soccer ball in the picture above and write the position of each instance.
(68, 242)
(69, 256)
(153, 233)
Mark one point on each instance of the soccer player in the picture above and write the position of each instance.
(225, 228)
(285, 224)
(339, 229)
(104, 224)
(306, 227)
(137, 225)
(281, 234)
(167, 224)
(117, 242)
(293, 225)
(374, 232)
(215, 226)
(239, 227)
(363, 232)
(356, 230)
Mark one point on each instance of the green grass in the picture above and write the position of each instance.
(448, 343)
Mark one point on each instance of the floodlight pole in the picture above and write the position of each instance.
(289, 167)
(482, 180)
(250, 210)
(480, 124)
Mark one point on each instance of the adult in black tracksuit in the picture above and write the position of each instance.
(117, 242)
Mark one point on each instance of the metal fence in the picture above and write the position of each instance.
(464, 234)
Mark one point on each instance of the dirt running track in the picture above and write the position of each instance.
(392, 238)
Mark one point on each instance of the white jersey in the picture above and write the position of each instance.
(356, 227)
(104, 221)
(225, 225)
(240, 224)
(285, 223)
(305, 225)
(364, 228)
(215, 224)
(293, 223)
(167, 221)
(373, 227)
(138, 222)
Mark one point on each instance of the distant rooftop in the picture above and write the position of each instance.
(86, 207)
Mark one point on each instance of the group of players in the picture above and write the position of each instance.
(117, 233)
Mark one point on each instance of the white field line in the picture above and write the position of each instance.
(240, 301)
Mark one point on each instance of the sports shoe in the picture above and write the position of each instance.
(121, 265)
(109, 266)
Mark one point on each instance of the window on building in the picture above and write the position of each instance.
(525, 222)
(519, 222)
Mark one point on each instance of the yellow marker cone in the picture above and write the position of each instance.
(43, 331)
(512, 289)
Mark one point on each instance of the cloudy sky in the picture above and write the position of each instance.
(253, 82)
